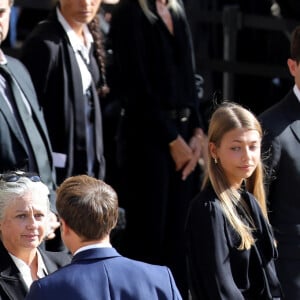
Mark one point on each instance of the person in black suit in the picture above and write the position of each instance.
(63, 57)
(160, 132)
(22, 147)
(281, 123)
(16, 151)
(24, 210)
(88, 210)
(230, 245)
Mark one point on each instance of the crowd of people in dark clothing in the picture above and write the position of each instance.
(116, 98)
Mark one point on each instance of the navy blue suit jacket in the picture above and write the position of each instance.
(102, 273)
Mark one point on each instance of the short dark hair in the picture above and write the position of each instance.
(89, 206)
(295, 44)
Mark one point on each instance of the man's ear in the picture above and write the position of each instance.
(292, 64)
(63, 226)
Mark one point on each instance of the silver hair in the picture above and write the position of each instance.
(9, 191)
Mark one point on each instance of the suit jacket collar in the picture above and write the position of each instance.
(95, 253)
(11, 280)
(25, 89)
(292, 105)
(28, 91)
(74, 69)
(295, 127)
(7, 113)
(294, 111)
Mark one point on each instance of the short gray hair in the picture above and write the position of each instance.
(9, 191)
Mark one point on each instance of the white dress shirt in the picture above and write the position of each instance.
(25, 269)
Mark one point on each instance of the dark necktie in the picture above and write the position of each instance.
(34, 137)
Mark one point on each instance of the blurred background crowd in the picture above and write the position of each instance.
(250, 49)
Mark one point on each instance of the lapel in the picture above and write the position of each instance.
(79, 105)
(7, 113)
(27, 88)
(76, 98)
(295, 127)
(49, 264)
(95, 253)
(11, 280)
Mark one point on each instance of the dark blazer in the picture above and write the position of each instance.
(156, 75)
(281, 145)
(50, 59)
(156, 70)
(13, 151)
(12, 285)
(102, 273)
(218, 270)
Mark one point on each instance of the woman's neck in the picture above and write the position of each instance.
(28, 257)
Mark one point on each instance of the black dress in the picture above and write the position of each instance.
(218, 270)
(156, 81)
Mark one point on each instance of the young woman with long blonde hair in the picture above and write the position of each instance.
(231, 249)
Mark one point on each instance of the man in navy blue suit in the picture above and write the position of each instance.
(88, 210)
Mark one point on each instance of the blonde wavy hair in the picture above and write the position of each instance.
(229, 116)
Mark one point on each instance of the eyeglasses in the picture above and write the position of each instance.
(14, 177)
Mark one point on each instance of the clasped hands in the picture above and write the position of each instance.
(187, 155)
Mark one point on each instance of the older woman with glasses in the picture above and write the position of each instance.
(24, 223)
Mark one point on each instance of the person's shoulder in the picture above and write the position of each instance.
(13, 60)
(17, 66)
(143, 279)
(278, 109)
(205, 198)
(202, 207)
(154, 272)
(126, 263)
(279, 116)
(48, 25)
(48, 30)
